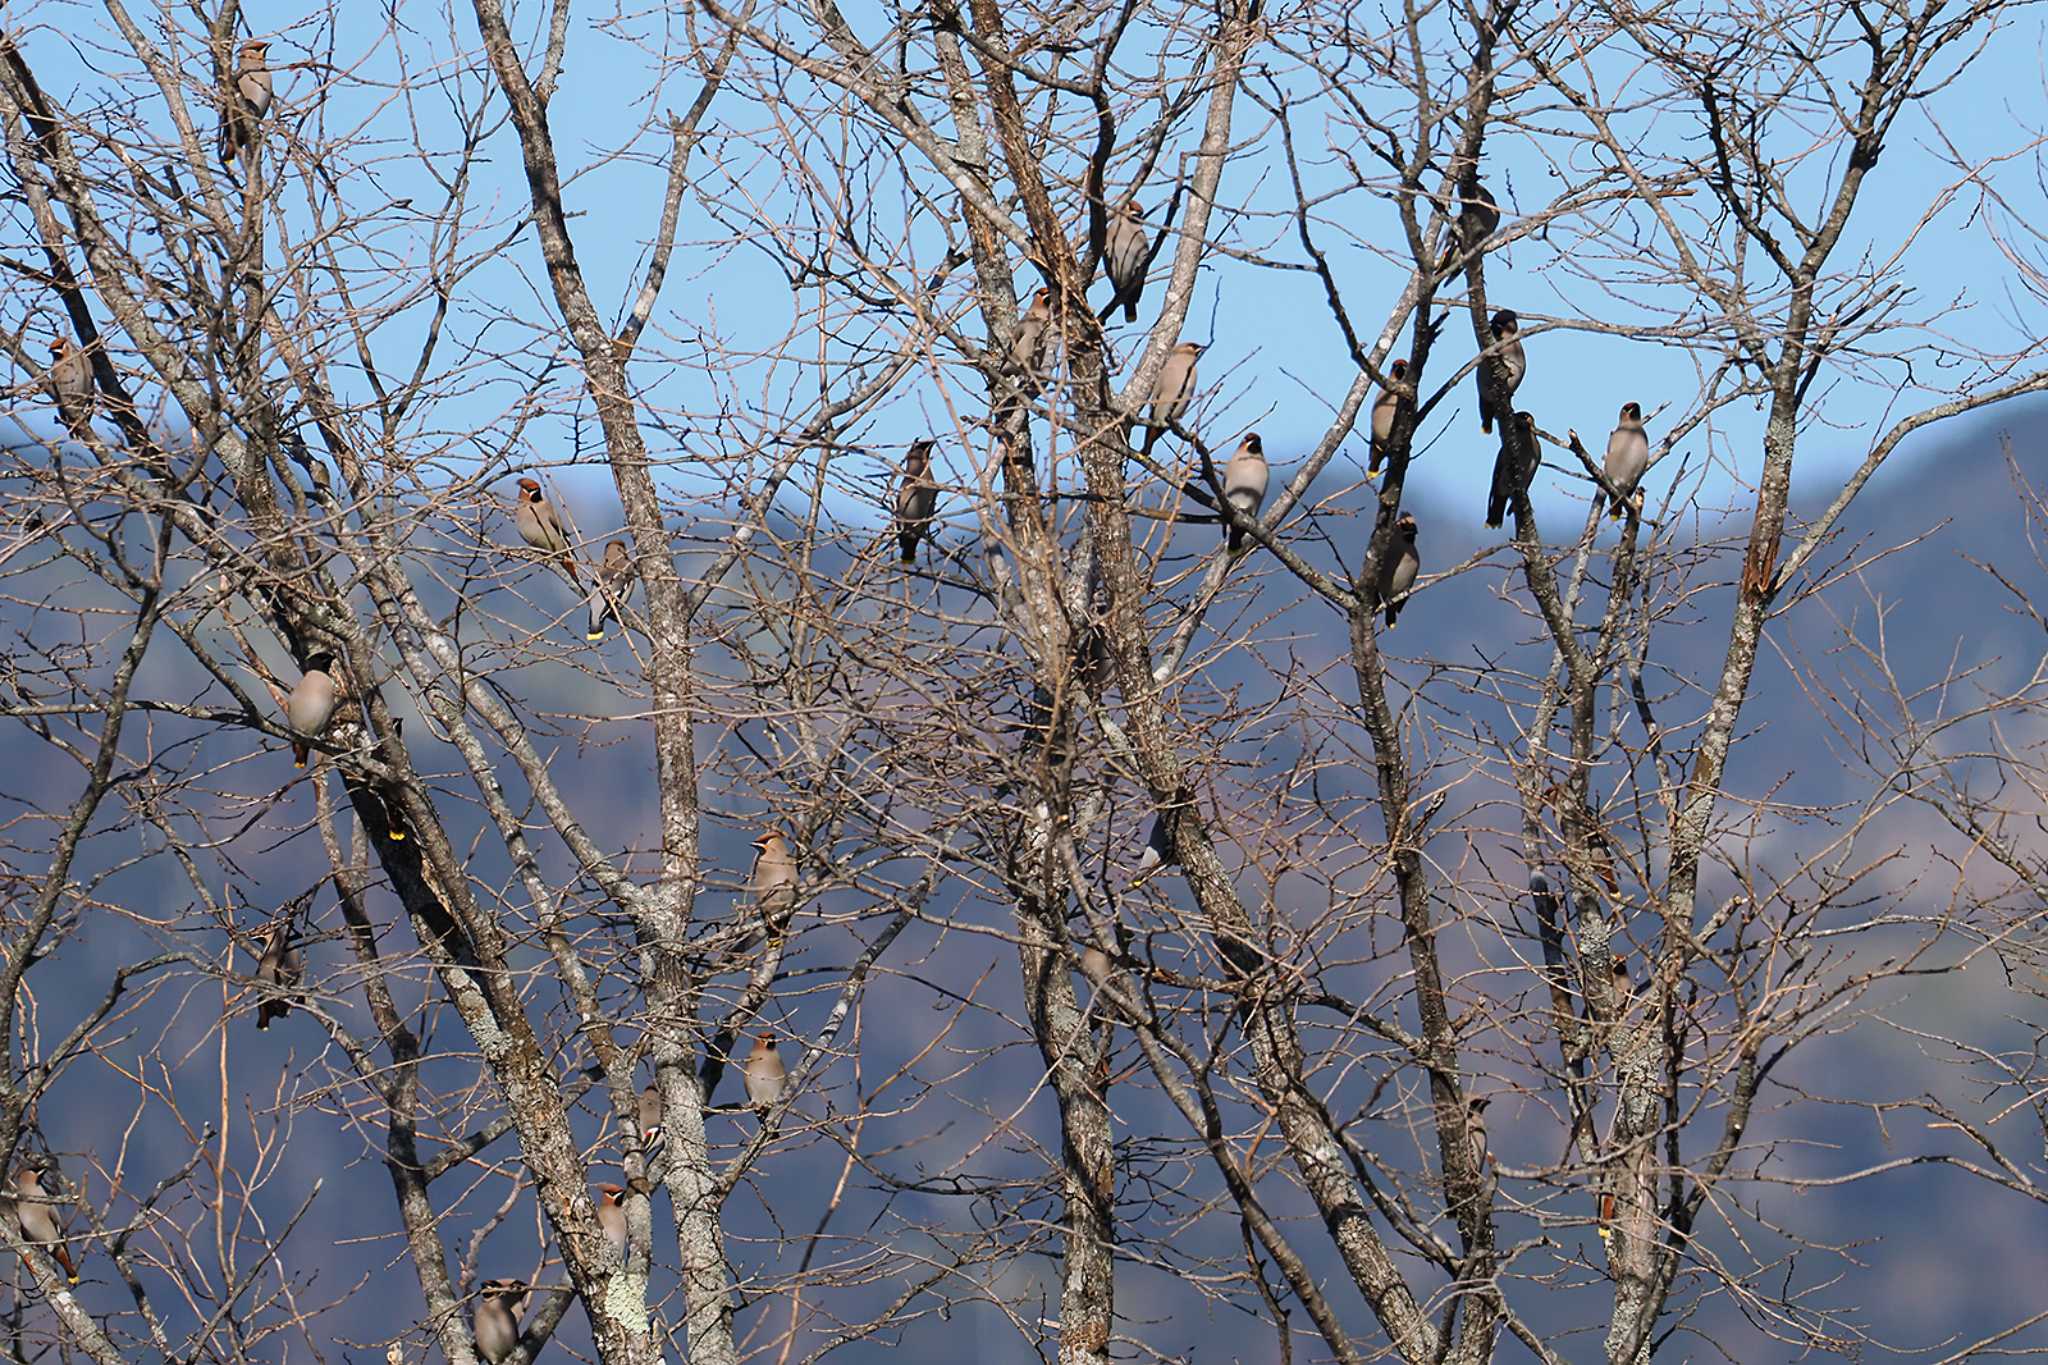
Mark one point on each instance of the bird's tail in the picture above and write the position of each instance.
(1130, 308)
(598, 608)
(63, 1256)
(300, 753)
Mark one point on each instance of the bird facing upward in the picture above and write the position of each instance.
(35, 1213)
(1173, 390)
(774, 882)
(250, 102)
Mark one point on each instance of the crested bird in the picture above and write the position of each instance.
(540, 526)
(70, 380)
(764, 1073)
(1028, 345)
(1507, 336)
(917, 497)
(499, 1306)
(311, 704)
(774, 882)
(611, 1217)
(249, 103)
(1244, 483)
(279, 970)
(612, 573)
(1398, 567)
(1384, 410)
(1123, 255)
(35, 1213)
(650, 1114)
(1478, 219)
(1628, 456)
(1173, 390)
(1514, 467)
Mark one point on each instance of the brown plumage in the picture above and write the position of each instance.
(612, 574)
(1478, 219)
(248, 103)
(764, 1073)
(1514, 467)
(917, 497)
(70, 380)
(774, 882)
(650, 1114)
(1628, 456)
(1028, 345)
(611, 1217)
(1123, 256)
(1384, 409)
(1507, 337)
(311, 704)
(1398, 568)
(1245, 479)
(35, 1213)
(540, 526)
(278, 972)
(1173, 390)
(500, 1304)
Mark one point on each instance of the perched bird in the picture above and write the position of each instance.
(1628, 455)
(1384, 409)
(249, 103)
(611, 1217)
(311, 704)
(1624, 985)
(500, 1305)
(36, 1214)
(395, 827)
(1475, 1129)
(774, 882)
(1029, 343)
(1123, 255)
(1478, 219)
(764, 1073)
(70, 379)
(1158, 845)
(541, 527)
(1514, 468)
(278, 973)
(612, 573)
(650, 1114)
(1507, 335)
(1398, 567)
(917, 497)
(1244, 483)
(1096, 965)
(1173, 390)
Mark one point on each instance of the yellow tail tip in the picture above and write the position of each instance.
(397, 836)
(593, 636)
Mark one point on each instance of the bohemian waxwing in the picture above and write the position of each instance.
(1384, 409)
(499, 1306)
(1097, 965)
(1029, 343)
(35, 1213)
(250, 102)
(1475, 1129)
(650, 1115)
(1514, 467)
(278, 972)
(1628, 456)
(1123, 255)
(1478, 219)
(612, 573)
(1507, 337)
(1244, 483)
(917, 497)
(611, 1217)
(774, 883)
(311, 704)
(70, 380)
(764, 1073)
(1173, 390)
(541, 528)
(1398, 568)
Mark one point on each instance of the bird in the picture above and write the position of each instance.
(1398, 567)
(1507, 336)
(1475, 1129)
(1123, 255)
(1173, 390)
(764, 1073)
(311, 704)
(1244, 483)
(1513, 468)
(1628, 455)
(1478, 219)
(917, 497)
(1624, 985)
(70, 379)
(36, 1214)
(611, 1217)
(774, 882)
(650, 1114)
(500, 1304)
(1384, 410)
(541, 527)
(1096, 965)
(278, 971)
(1158, 845)
(250, 102)
(611, 578)
(1029, 342)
